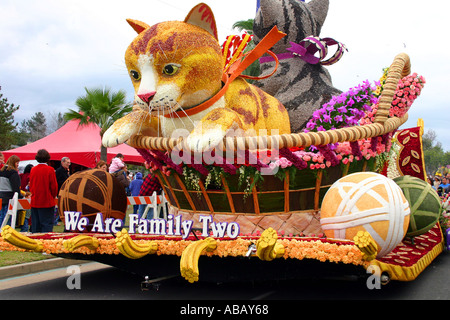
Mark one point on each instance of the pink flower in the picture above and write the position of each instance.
(284, 163)
(273, 166)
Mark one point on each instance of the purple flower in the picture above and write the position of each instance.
(342, 109)
(350, 102)
(338, 118)
(311, 125)
(321, 128)
(330, 108)
(350, 120)
(341, 98)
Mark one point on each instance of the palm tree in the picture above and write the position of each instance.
(102, 107)
(244, 25)
(247, 26)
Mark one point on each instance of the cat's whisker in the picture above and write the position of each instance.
(158, 126)
(187, 54)
(187, 116)
(150, 107)
(172, 118)
(183, 122)
(174, 52)
(159, 45)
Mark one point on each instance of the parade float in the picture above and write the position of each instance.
(346, 195)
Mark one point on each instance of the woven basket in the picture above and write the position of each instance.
(277, 198)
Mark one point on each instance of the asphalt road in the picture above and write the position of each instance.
(100, 282)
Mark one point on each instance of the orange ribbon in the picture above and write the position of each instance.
(235, 70)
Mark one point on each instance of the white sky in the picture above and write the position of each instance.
(51, 49)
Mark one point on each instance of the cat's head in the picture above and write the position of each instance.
(175, 64)
(294, 17)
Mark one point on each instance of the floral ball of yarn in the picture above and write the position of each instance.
(425, 204)
(366, 201)
(90, 192)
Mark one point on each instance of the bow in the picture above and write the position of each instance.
(308, 47)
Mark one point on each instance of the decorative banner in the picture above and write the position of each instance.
(410, 160)
(172, 226)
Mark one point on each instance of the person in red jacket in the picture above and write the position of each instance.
(44, 189)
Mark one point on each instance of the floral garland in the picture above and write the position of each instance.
(308, 248)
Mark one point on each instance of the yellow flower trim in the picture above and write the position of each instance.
(267, 247)
(20, 240)
(366, 244)
(81, 241)
(189, 258)
(133, 249)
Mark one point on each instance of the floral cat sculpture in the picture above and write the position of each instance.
(177, 71)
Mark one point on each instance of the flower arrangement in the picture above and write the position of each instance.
(408, 90)
(344, 110)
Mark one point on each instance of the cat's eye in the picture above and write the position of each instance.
(170, 69)
(135, 75)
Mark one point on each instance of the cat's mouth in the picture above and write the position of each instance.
(163, 106)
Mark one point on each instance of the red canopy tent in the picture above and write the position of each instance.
(81, 144)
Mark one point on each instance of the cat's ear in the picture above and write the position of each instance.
(202, 16)
(320, 10)
(138, 26)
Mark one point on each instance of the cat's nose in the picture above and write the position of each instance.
(146, 97)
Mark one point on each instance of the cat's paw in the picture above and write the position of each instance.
(117, 134)
(205, 141)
